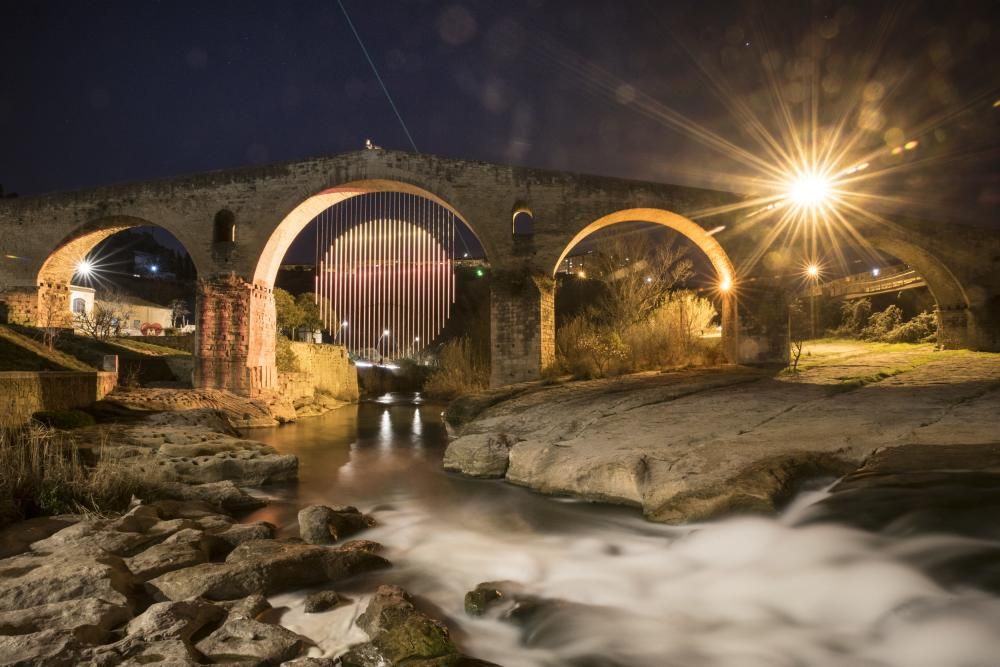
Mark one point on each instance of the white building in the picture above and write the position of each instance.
(81, 300)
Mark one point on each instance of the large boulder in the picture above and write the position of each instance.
(88, 620)
(400, 635)
(224, 495)
(319, 524)
(173, 620)
(320, 601)
(167, 557)
(479, 455)
(267, 567)
(33, 579)
(48, 648)
(243, 639)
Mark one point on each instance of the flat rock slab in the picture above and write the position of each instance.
(693, 445)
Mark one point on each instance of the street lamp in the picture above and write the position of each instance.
(812, 271)
(809, 189)
(85, 267)
(385, 334)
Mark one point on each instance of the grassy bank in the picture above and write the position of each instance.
(45, 473)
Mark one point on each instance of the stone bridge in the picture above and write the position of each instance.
(237, 224)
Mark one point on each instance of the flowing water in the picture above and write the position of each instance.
(616, 590)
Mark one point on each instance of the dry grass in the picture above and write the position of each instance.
(45, 473)
(460, 371)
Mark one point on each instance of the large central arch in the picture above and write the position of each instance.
(256, 300)
(296, 220)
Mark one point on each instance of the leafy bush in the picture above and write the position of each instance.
(284, 359)
(880, 324)
(921, 329)
(671, 336)
(461, 370)
(63, 419)
(43, 474)
(854, 316)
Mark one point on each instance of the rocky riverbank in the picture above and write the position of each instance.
(179, 580)
(694, 445)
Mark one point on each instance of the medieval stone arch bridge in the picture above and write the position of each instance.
(237, 224)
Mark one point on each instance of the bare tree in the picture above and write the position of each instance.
(179, 312)
(637, 275)
(106, 318)
(52, 318)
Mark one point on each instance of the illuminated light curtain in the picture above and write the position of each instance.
(384, 263)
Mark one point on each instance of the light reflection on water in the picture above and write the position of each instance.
(744, 592)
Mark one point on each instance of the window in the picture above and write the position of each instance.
(225, 227)
(524, 223)
(79, 306)
(136, 324)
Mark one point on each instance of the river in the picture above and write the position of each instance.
(782, 591)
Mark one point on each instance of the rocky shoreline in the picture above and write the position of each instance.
(700, 444)
(179, 580)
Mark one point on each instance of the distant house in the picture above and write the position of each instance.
(81, 300)
(143, 317)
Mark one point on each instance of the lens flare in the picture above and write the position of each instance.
(810, 190)
(85, 268)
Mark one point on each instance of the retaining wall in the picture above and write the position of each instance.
(22, 393)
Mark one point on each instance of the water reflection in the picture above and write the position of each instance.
(740, 592)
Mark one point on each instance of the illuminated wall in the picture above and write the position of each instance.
(384, 264)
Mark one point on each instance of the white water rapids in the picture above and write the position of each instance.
(741, 592)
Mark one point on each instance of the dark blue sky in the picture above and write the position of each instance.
(103, 92)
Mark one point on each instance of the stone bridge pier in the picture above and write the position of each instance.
(238, 224)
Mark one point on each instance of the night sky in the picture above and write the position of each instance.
(94, 93)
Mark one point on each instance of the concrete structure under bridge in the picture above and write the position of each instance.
(237, 225)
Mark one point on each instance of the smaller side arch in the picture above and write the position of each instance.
(688, 228)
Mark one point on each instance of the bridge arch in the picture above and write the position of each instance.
(48, 303)
(956, 328)
(725, 278)
(292, 224)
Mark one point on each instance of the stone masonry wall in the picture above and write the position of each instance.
(328, 368)
(24, 393)
(522, 332)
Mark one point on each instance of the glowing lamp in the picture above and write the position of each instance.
(809, 190)
(726, 284)
(812, 271)
(85, 268)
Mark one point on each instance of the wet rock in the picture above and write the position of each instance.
(245, 639)
(319, 524)
(478, 600)
(173, 620)
(761, 487)
(265, 566)
(400, 635)
(311, 662)
(224, 495)
(321, 601)
(33, 579)
(479, 455)
(251, 606)
(88, 620)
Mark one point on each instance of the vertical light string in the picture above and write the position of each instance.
(385, 262)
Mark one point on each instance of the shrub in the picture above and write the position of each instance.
(43, 474)
(921, 329)
(284, 359)
(880, 324)
(461, 370)
(672, 336)
(63, 419)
